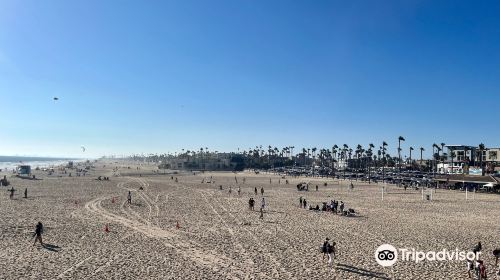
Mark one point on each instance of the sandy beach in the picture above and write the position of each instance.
(220, 238)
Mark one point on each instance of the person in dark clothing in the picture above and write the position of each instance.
(304, 202)
(262, 190)
(12, 190)
(251, 203)
(38, 233)
(324, 248)
(478, 248)
(129, 197)
(255, 190)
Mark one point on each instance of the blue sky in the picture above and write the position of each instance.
(158, 76)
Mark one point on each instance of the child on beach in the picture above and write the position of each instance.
(38, 233)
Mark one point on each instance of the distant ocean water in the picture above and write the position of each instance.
(10, 162)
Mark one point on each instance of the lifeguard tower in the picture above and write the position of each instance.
(24, 170)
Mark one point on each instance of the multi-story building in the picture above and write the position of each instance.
(460, 157)
(206, 162)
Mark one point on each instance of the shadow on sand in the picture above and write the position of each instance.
(50, 247)
(362, 272)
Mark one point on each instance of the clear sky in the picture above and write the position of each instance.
(159, 76)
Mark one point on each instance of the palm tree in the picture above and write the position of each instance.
(421, 153)
(384, 149)
(400, 138)
(411, 165)
(437, 156)
(434, 165)
(481, 149)
(334, 152)
(313, 150)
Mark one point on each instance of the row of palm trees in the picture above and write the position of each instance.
(338, 157)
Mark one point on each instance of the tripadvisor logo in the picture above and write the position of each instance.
(387, 255)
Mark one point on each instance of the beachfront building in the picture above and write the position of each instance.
(471, 160)
(220, 161)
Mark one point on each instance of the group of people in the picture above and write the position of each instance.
(334, 206)
(12, 191)
(261, 191)
(231, 190)
(476, 267)
(251, 206)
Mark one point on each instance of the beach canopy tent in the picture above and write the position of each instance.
(24, 170)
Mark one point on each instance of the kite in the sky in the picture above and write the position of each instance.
(83, 148)
(56, 98)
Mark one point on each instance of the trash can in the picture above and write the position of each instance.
(428, 196)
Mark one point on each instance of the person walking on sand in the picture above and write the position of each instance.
(230, 189)
(261, 214)
(300, 202)
(263, 204)
(129, 197)
(26, 193)
(12, 190)
(38, 233)
(470, 267)
(255, 190)
(262, 190)
(324, 248)
(251, 203)
(239, 191)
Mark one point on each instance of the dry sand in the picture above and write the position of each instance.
(219, 238)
